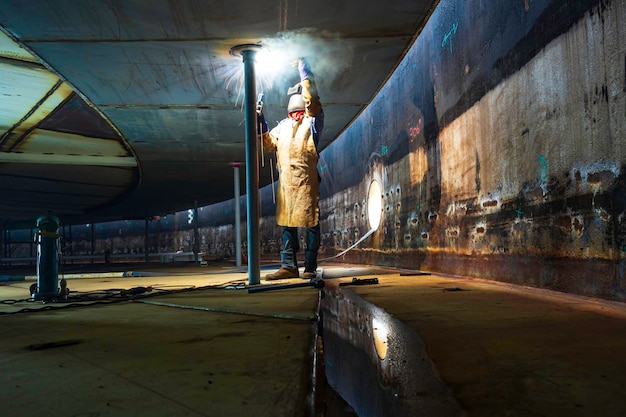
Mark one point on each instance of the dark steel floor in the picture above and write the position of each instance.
(199, 349)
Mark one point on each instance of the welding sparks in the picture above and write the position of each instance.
(328, 54)
(266, 63)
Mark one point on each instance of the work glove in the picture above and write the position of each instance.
(261, 124)
(304, 69)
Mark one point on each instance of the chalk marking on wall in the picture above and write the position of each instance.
(447, 38)
(456, 208)
(325, 174)
(543, 168)
(414, 130)
(543, 174)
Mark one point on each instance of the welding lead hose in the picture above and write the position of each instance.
(228, 311)
(357, 243)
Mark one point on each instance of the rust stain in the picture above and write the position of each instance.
(600, 180)
(603, 215)
(577, 225)
(563, 222)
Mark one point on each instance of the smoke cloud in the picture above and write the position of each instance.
(328, 54)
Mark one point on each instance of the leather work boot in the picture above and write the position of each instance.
(283, 273)
(309, 274)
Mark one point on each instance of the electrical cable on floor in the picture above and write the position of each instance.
(63, 306)
(219, 310)
(109, 296)
(23, 300)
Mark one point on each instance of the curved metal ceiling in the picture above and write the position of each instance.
(116, 110)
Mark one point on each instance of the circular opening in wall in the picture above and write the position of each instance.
(374, 204)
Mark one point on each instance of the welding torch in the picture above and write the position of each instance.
(260, 101)
(261, 123)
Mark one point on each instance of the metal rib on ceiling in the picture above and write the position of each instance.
(46, 163)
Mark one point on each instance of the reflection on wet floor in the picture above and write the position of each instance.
(364, 343)
(393, 341)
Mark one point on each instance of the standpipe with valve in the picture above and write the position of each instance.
(47, 238)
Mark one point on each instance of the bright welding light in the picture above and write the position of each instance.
(374, 204)
(269, 62)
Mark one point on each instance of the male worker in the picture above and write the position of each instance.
(295, 140)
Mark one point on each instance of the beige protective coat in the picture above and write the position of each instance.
(297, 203)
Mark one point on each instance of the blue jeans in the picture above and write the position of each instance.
(291, 245)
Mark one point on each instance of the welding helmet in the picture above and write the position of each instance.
(296, 101)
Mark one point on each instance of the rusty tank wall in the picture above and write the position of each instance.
(498, 143)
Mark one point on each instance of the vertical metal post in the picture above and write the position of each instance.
(237, 215)
(196, 233)
(158, 236)
(146, 243)
(252, 167)
(71, 241)
(48, 241)
(93, 241)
